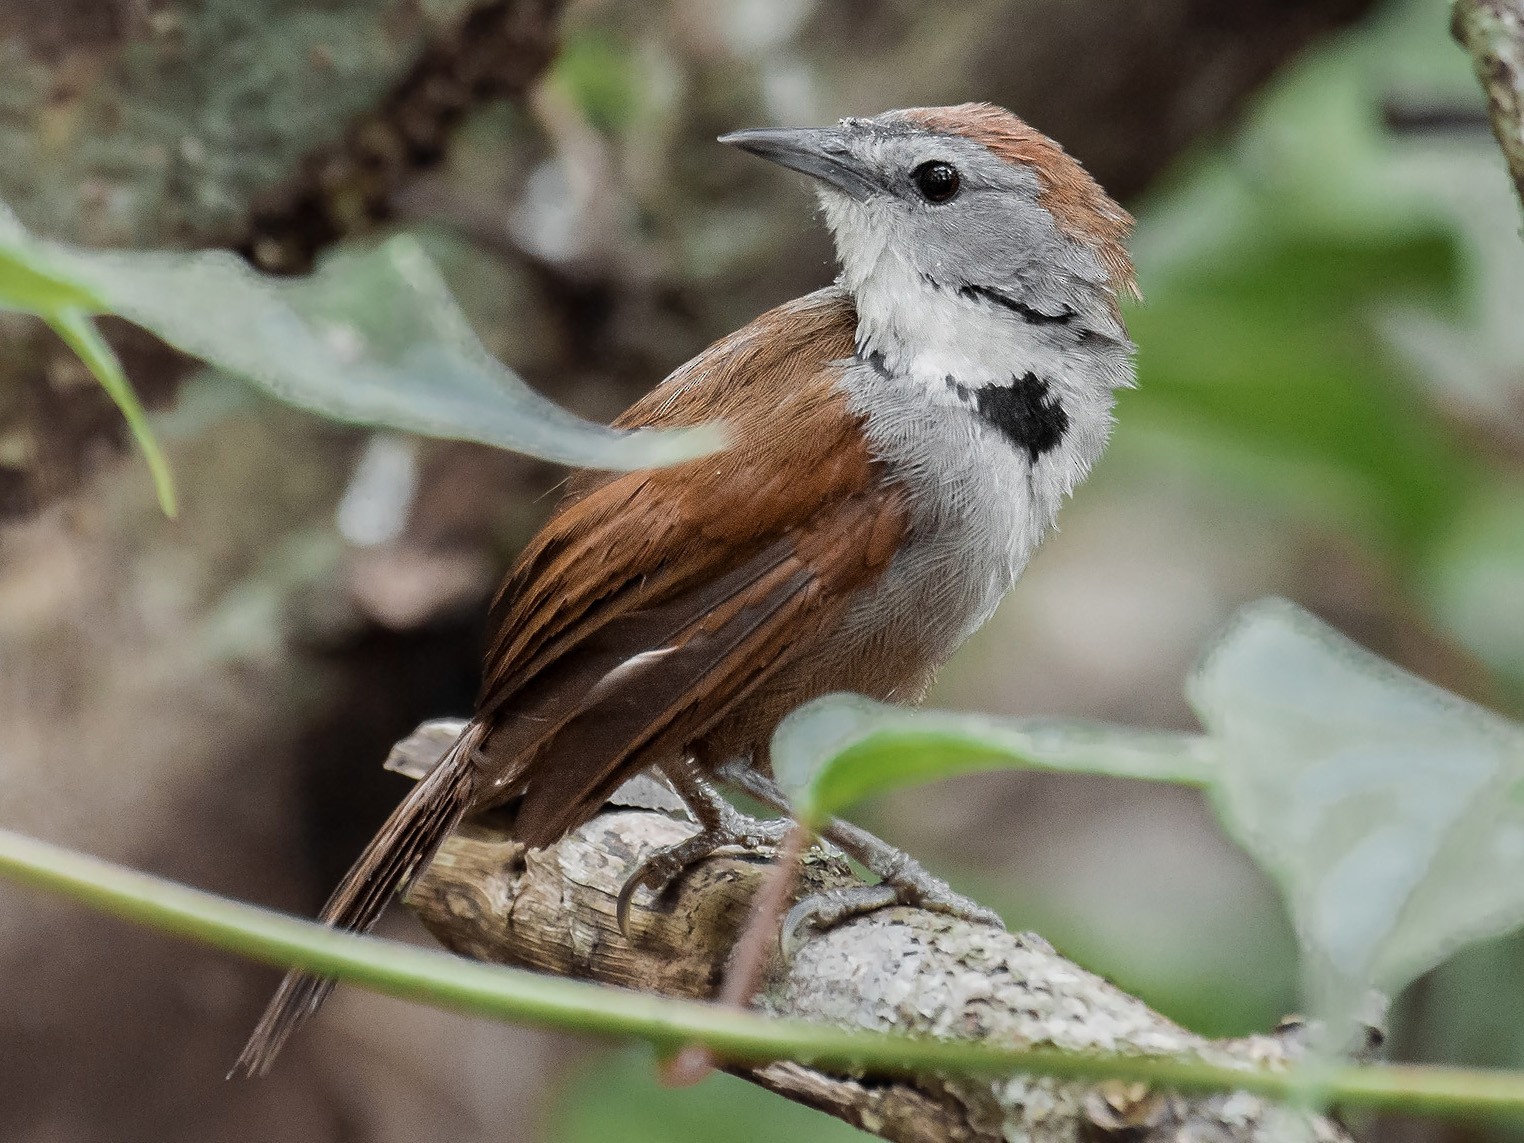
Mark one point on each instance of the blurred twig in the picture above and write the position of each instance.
(498, 48)
(1409, 115)
(1492, 31)
(903, 970)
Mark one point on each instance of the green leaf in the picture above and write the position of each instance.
(1267, 370)
(80, 334)
(26, 289)
(372, 338)
(841, 748)
(66, 306)
(1390, 812)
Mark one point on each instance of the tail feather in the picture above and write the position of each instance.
(404, 844)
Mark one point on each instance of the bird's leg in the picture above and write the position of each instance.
(721, 826)
(902, 879)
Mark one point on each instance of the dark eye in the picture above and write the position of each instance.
(936, 180)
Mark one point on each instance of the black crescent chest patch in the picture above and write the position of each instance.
(1024, 411)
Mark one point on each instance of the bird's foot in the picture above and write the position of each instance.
(658, 871)
(905, 882)
(902, 879)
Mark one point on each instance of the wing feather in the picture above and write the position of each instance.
(649, 607)
(653, 603)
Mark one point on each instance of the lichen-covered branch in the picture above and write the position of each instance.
(903, 970)
(170, 124)
(274, 128)
(1492, 31)
(493, 49)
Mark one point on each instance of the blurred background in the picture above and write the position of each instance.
(1330, 407)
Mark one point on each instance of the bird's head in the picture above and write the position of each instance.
(964, 199)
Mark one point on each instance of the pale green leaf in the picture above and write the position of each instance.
(842, 748)
(372, 338)
(1390, 812)
(26, 289)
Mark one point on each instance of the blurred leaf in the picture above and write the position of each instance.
(26, 289)
(1270, 269)
(1268, 361)
(841, 748)
(67, 309)
(597, 71)
(1475, 583)
(1390, 812)
(372, 338)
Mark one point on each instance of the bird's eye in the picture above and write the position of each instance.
(937, 181)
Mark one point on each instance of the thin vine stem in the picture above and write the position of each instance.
(515, 994)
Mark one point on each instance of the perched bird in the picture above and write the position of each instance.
(900, 444)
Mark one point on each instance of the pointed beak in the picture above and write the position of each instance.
(820, 152)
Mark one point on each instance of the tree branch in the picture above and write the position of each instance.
(496, 48)
(1492, 31)
(904, 970)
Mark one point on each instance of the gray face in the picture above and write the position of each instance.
(949, 210)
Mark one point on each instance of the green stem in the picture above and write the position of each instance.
(79, 333)
(506, 993)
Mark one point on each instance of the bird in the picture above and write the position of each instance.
(900, 442)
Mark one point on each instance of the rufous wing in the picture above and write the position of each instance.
(649, 607)
(653, 603)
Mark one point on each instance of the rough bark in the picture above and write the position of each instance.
(491, 50)
(1492, 31)
(904, 970)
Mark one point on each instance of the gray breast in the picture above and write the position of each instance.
(979, 508)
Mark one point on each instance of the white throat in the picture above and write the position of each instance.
(925, 329)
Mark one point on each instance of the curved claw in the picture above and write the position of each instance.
(622, 903)
(910, 885)
(829, 908)
(959, 906)
(660, 869)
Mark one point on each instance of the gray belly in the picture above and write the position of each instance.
(978, 510)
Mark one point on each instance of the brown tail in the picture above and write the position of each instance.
(403, 845)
